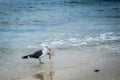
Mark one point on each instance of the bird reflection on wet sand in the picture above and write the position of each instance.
(46, 75)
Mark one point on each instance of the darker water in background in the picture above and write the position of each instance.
(26, 24)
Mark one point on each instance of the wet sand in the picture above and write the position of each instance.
(68, 64)
(109, 69)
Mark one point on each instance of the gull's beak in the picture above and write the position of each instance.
(50, 53)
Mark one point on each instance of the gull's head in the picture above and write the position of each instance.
(48, 50)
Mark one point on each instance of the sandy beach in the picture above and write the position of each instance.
(68, 64)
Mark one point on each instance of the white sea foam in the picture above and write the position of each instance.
(72, 39)
(29, 46)
(105, 40)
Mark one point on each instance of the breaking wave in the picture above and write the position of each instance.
(108, 40)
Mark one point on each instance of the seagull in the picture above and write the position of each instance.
(40, 53)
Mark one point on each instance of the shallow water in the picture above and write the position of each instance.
(61, 24)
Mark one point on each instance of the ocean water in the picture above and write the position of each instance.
(59, 23)
(27, 24)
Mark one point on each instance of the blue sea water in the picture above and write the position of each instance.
(59, 24)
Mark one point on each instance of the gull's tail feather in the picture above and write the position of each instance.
(25, 57)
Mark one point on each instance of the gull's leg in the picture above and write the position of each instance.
(40, 61)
